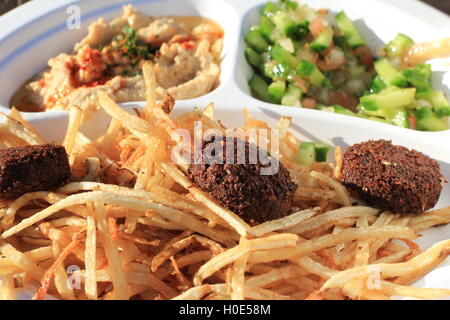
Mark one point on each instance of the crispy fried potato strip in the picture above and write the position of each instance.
(130, 224)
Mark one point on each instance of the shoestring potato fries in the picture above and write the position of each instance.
(136, 228)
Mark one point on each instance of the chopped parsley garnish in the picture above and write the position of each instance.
(133, 48)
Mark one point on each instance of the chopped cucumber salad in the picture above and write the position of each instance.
(301, 59)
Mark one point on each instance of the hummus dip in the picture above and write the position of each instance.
(185, 52)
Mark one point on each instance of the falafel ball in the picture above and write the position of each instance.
(32, 168)
(256, 190)
(392, 177)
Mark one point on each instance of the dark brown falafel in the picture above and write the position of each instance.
(240, 187)
(32, 168)
(392, 177)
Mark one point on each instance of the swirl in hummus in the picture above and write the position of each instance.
(185, 52)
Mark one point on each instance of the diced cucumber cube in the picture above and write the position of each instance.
(253, 58)
(282, 21)
(389, 74)
(256, 40)
(259, 88)
(418, 81)
(321, 152)
(426, 120)
(323, 41)
(276, 70)
(431, 124)
(419, 77)
(423, 113)
(317, 78)
(305, 68)
(290, 5)
(306, 154)
(270, 8)
(278, 53)
(424, 69)
(347, 27)
(377, 84)
(292, 96)
(311, 72)
(439, 102)
(267, 28)
(427, 96)
(276, 90)
(398, 46)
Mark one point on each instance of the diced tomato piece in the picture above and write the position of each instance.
(343, 99)
(316, 27)
(309, 103)
(364, 56)
(412, 122)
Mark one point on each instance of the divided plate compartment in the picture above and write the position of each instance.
(378, 21)
(27, 47)
(36, 31)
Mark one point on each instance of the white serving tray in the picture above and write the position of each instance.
(36, 31)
